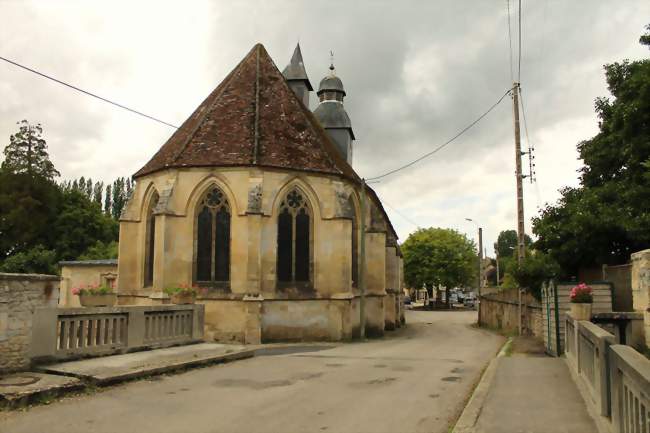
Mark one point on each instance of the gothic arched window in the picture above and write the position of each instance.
(213, 238)
(149, 248)
(294, 226)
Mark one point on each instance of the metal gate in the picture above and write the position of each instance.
(551, 319)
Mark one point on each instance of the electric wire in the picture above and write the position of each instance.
(124, 107)
(397, 211)
(437, 149)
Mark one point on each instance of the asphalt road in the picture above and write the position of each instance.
(415, 380)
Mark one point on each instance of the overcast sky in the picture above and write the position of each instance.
(415, 72)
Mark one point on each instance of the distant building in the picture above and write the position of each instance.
(254, 200)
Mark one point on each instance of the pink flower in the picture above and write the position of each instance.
(75, 291)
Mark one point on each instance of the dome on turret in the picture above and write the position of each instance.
(331, 83)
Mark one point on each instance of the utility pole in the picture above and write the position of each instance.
(480, 260)
(521, 246)
(362, 263)
(496, 252)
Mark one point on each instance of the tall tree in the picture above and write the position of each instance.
(439, 257)
(108, 201)
(27, 153)
(606, 218)
(79, 225)
(98, 190)
(506, 244)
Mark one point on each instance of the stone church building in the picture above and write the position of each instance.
(254, 200)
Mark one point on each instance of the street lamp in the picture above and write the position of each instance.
(480, 256)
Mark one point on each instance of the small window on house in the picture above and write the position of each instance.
(213, 239)
(294, 231)
(150, 241)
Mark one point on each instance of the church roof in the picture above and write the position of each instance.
(252, 118)
(295, 70)
(332, 114)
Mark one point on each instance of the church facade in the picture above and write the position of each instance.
(254, 200)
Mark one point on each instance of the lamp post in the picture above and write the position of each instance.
(480, 259)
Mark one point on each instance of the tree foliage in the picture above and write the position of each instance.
(27, 153)
(42, 222)
(536, 268)
(37, 260)
(506, 244)
(439, 257)
(606, 218)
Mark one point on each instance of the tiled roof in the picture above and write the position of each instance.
(251, 118)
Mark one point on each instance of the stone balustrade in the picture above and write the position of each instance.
(616, 377)
(67, 333)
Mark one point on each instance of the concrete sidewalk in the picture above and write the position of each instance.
(526, 393)
(115, 368)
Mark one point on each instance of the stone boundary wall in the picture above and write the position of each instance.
(500, 310)
(20, 296)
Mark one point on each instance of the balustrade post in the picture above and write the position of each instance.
(135, 328)
(44, 333)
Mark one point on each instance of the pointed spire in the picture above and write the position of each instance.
(295, 70)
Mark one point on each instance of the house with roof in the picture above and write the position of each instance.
(254, 200)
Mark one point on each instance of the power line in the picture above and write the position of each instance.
(398, 212)
(139, 113)
(462, 131)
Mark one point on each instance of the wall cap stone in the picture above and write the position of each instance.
(102, 262)
(30, 277)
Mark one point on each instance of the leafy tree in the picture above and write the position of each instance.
(439, 257)
(506, 244)
(37, 260)
(27, 153)
(98, 191)
(79, 225)
(101, 250)
(27, 205)
(108, 202)
(531, 274)
(606, 219)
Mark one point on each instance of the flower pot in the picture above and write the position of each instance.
(105, 300)
(581, 311)
(183, 298)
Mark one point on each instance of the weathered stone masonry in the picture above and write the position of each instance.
(20, 296)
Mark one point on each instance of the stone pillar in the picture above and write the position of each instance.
(20, 296)
(253, 329)
(254, 224)
(641, 288)
(390, 311)
(376, 283)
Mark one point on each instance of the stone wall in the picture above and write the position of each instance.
(83, 273)
(621, 278)
(20, 296)
(501, 311)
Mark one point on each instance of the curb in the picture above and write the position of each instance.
(467, 421)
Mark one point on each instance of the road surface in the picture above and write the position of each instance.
(417, 379)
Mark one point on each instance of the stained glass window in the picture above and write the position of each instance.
(294, 226)
(213, 238)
